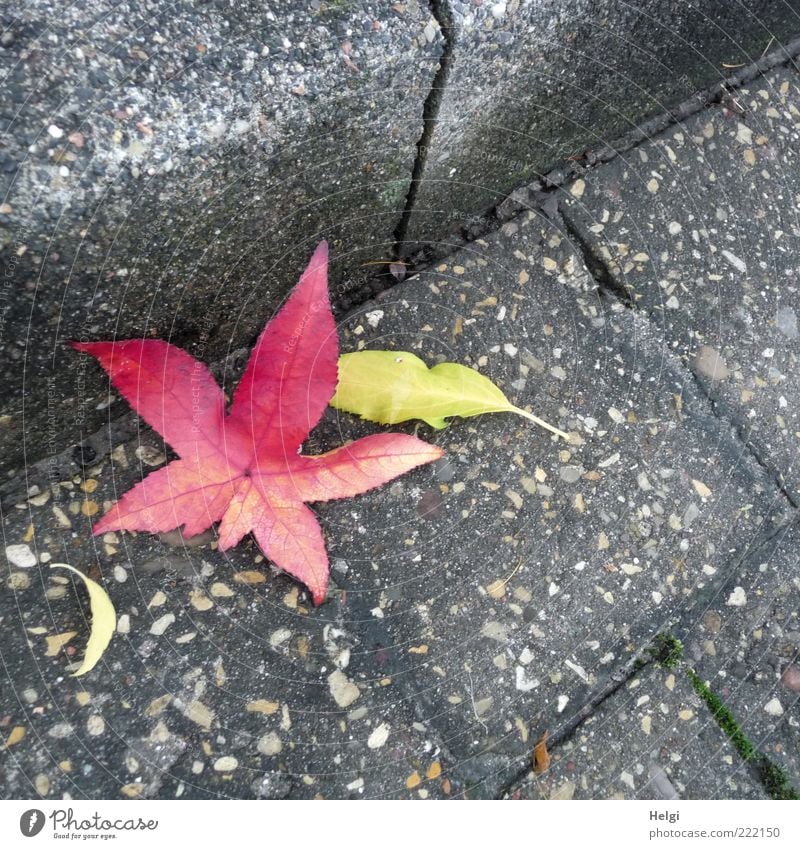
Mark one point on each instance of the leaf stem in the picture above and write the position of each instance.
(541, 423)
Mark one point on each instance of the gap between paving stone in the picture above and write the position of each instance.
(430, 112)
(538, 195)
(720, 288)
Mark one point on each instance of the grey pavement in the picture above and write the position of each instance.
(522, 585)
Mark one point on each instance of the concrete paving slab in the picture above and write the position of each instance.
(538, 566)
(221, 681)
(699, 228)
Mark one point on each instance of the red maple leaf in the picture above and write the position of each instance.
(243, 468)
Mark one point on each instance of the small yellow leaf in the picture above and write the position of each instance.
(104, 620)
(394, 386)
(57, 642)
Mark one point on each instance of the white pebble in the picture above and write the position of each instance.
(738, 598)
(774, 708)
(378, 737)
(161, 624)
(20, 556)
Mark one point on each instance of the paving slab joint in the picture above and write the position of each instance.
(775, 781)
(541, 194)
(607, 284)
(661, 649)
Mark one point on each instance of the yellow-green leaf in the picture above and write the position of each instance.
(393, 386)
(104, 620)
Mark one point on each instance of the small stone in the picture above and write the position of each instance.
(161, 624)
(570, 474)
(378, 737)
(495, 631)
(249, 577)
(711, 363)
(701, 489)
(773, 707)
(712, 622)
(198, 713)
(344, 691)
(413, 780)
(95, 725)
(199, 600)
(18, 581)
(523, 683)
(21, 556)
(790, 678)
(739, 264)
(270, 744)
(786, 322)
(738, 598)
(262, 706)
(227, 763)
(577, 189)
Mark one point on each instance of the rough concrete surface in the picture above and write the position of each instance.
(531, 84)
(632, 592)
(699, 227)
(165, 169)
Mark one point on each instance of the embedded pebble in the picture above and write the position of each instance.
(95, 725)
(711, 363)
(570, 474)
(577, 189)
(344, 691)
(378, 737)
(270, 744)
(790, 678)
(21, 556)
(786, 322)
(18, 581)
(495, 631)
(161, 624)
(738, 598)
(523, 683)
(227, 763)
(773, 707)
(738, 264)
